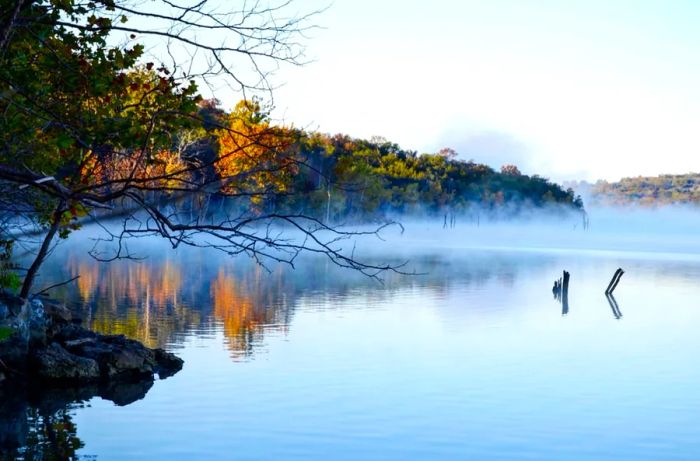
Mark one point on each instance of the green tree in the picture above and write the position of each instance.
(91, 121)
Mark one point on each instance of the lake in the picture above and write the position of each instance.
(472, 358)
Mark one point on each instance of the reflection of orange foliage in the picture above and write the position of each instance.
(139, 283)
(144, 286)
(239, 312)
(149, 301)
(170, 282)
(89, 275)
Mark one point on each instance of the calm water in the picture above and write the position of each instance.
(473, 360)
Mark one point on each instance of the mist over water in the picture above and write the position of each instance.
(472, 357)
(672, 230)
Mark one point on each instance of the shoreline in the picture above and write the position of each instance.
(45, 345)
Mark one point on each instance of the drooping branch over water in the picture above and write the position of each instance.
(104, 124)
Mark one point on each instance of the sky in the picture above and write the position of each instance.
(566, 89)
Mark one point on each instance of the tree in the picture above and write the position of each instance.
(92, 122)
(448, 153)
(254, 157)
(510, 170)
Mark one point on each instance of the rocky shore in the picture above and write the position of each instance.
(41, 342)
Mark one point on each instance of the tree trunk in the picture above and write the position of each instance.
(43, 251)
(328, 204)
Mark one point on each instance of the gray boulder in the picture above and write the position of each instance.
(116, 356)
(168, 364)
(56, 363)
(37, 321)
(57, 312)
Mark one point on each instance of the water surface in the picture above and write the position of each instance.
(473, 360)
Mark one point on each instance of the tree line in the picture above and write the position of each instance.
(644, 190)
(341, 178)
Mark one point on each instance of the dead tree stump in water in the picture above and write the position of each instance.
(565, 293)
(560, 290)
(614, 281)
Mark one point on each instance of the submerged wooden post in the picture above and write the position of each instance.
(565, 292)
(617, 281)
(560, 290)
(614, 281)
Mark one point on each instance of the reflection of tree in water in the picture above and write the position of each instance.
(246, 307)
(170, 295)
(48, 437)
(37, 424)
(157, 301)
(142, 300)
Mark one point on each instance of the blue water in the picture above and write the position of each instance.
(473, 360)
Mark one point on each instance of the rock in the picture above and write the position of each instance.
(57, 316)
(57, 312)
(29, 321)
(116, 355)
(74, 353)
(168, 364)
(12, 303)
(72, 332)
(18, 320)
(37, 322)
(79, 342)
(13, 354)
(56, 363)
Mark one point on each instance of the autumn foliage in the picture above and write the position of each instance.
(162, 170)
(254, 157)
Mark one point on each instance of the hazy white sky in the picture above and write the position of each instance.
(569, 89)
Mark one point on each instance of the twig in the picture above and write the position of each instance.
(56, 285)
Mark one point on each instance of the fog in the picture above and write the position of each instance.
(669, 230)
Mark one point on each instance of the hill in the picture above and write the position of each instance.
(644, 190)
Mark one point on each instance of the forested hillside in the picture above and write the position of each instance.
(338, 177)
(645, 191)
